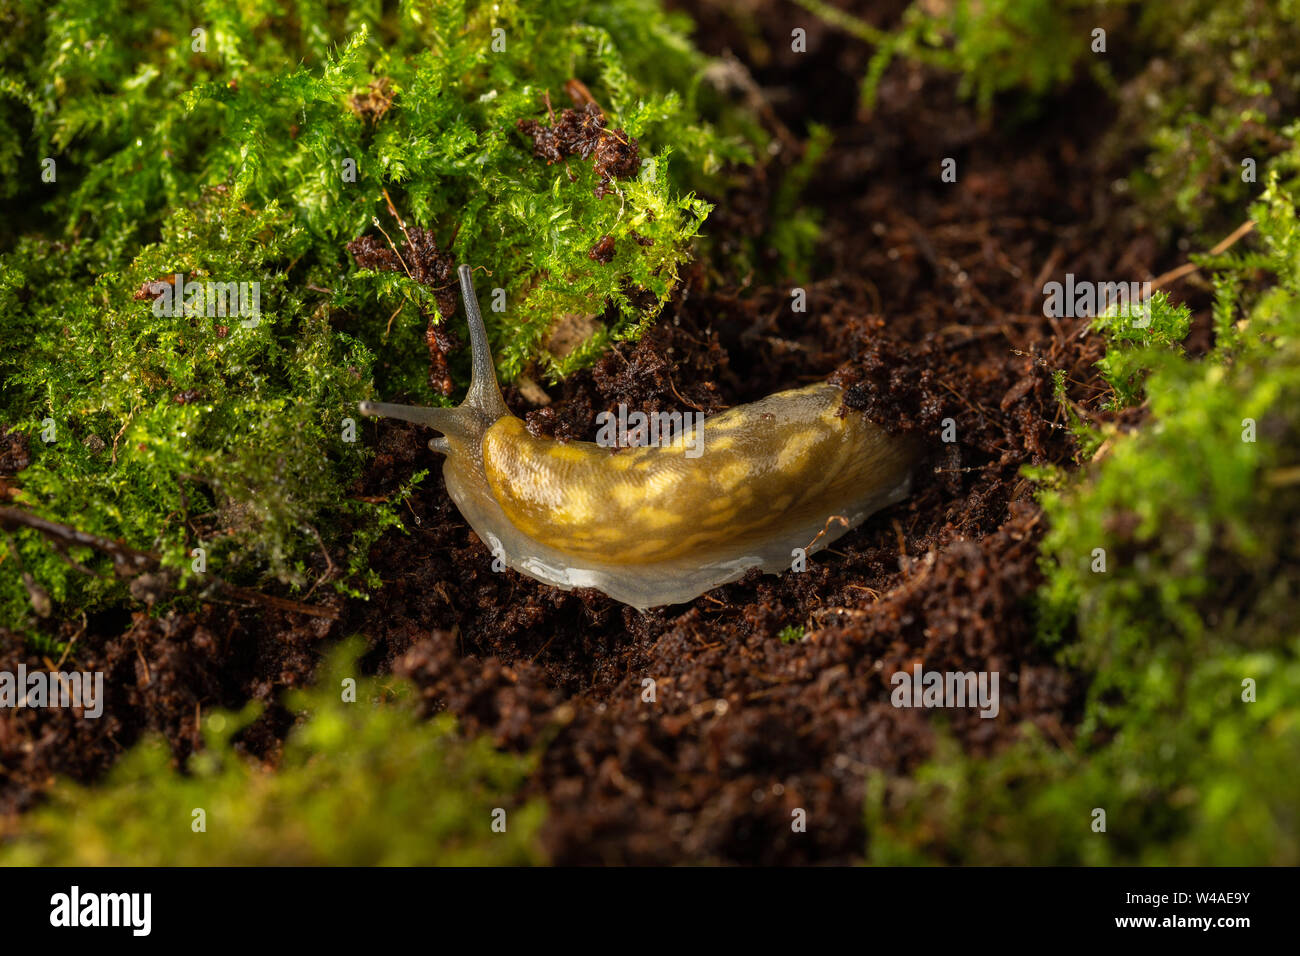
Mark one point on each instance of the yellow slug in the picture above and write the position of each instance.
(759, 485)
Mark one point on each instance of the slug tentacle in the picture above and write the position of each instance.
(443, 419)
(484, 393)
(767, 483)
(483, 404)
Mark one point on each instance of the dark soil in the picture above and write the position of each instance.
(925, 304)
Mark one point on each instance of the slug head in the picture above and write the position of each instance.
(462, 427)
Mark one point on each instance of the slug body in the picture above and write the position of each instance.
(652, 525)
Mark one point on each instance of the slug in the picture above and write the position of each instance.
(650, 525)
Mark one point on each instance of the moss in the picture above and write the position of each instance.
(358, 783)
(1207, 91)
(1195, 513)
(796, 226)
(1141, 336)
(1031, 47)
(246, 141)
(175, 432)
(424, 103)
(1192, 717)
(1215, 100)
(791, 634)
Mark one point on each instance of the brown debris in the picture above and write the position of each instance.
(440, 343)
(582, 133)
(418, 257)
(603, 251)
(570, 331)
(375, 102)
(14, 452)
(421, 259)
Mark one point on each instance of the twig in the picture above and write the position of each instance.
(396, 215)
(283, 604)
(120, 432)
(68, 649)
(1187, 268)
(392, 245)
(826, 530)
(124, 556)
(129, 562)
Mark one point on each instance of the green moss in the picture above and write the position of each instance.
(1196, 515)
(220, 140)
(1032, 47)
(139, 121)
(363, 783)
(1141, 337)
(796, 226)
(1207, 91)
(791, 634)
(1216, 101)
(174, 432)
